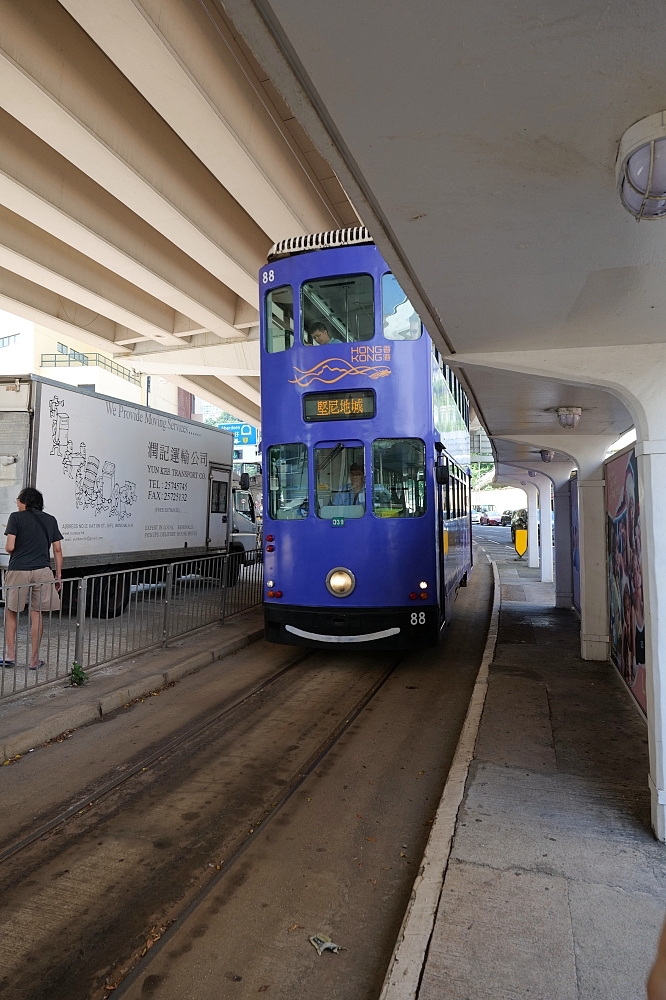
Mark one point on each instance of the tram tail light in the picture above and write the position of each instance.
(271, 593)
(424, 596)
(270, 548)
(412, 596)
(278, 593)
(270, 538)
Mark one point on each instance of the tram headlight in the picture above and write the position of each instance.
(340, 581)
(423, 585)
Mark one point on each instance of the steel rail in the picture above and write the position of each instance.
(169, 747)
(122, 985)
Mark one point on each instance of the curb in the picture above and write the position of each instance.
(405, 970)
(93, 710)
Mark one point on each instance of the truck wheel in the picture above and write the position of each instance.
(108, 596)
(234, 563)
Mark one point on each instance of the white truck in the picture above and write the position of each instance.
(130, 486)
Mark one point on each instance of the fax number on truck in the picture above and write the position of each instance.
(159, 495)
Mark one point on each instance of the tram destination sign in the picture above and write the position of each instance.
(346, 405)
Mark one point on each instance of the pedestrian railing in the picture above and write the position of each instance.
(107, 616)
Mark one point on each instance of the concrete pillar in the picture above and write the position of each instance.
(651, 462)
(558, 471)
(507, 474)
(544, 486)
(532, 524)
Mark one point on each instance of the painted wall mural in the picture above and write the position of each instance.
(625, 573)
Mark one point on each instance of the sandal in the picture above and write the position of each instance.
(42, 663)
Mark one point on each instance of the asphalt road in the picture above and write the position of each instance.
(80, 906)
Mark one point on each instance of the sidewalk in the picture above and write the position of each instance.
(555, 887)
(47, 712)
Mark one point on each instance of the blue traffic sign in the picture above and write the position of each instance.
(243, 433)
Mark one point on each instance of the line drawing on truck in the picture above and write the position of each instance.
(92, 487)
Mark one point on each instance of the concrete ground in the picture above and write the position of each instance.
(556, 888)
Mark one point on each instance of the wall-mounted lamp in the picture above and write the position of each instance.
(569, 416)
(546, 455)
(640, 169)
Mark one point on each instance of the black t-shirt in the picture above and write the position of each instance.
(31, 550)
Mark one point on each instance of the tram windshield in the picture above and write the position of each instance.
(279, 319)
(400, 319)
(398, 466)
(288, 482)
(340, 480)
(337, 310)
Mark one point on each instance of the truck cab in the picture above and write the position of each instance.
(244, 523)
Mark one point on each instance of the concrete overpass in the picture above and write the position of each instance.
(146, 165)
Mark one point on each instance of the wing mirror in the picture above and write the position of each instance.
(441, 475)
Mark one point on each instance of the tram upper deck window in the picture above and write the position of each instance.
(337, 310)
(340, 480)
(398, 468)
(279, 319)
(288, 482)
(400, 321)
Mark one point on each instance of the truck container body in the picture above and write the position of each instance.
(129, 485)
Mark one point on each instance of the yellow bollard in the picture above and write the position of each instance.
(520, 541)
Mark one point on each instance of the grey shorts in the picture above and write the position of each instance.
(34, 584)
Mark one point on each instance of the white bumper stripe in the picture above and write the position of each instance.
(368, 637)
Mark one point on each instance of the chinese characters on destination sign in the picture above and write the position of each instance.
(348, 405)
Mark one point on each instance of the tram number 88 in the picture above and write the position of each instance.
(417, 618)
(268, 277)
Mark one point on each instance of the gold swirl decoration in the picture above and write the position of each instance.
(334, 369)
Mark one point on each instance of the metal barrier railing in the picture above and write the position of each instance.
(107, 616)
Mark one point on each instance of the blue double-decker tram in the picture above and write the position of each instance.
(367, 530)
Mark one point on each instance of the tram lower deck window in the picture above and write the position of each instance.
(340, 480)
(398, 470)
(288, 482)
(337, 310)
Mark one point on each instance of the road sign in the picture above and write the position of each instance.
(520, 541)
(243, 433)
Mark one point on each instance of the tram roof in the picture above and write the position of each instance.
(353, 236)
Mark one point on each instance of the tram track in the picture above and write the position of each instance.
(95, 797)
(40, 856)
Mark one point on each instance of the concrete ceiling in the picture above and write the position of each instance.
(478, 143)
(147, 163)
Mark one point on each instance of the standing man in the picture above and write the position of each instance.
(30, 534)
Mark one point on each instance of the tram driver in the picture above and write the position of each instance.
(353, 492)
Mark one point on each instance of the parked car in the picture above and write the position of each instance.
(506, 518)
(491, 517)
(519, 520)
(476, 516)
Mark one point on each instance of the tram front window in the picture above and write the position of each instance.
(279, 319)
(340, 480)
(400, 321)
(288, 482)
(398, 468)
(337, 310)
